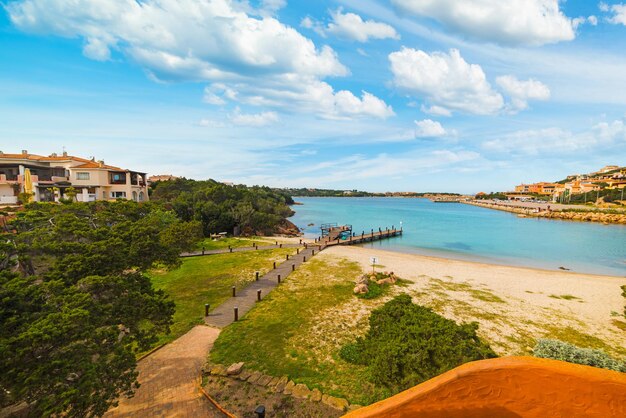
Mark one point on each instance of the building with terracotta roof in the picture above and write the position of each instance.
(542, 188)
(161, 177)
(53, 175)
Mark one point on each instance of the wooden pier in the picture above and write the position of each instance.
(343, 235)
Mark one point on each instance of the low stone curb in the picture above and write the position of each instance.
(279, 385)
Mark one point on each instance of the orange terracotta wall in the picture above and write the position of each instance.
(510, 387)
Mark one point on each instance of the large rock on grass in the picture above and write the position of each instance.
(361, 289)
(280, 386)
(218, 370)
(301, 391)
(234, 369)
(289, 387)
(316, 395)
(254, 377)
(337, 403)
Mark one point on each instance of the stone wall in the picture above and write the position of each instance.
(278, 385)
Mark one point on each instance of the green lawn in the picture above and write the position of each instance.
(222, 243)
(209, 279)
(299, 328)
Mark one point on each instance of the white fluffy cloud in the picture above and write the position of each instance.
(253, 119)
(550, 141)
(446, 80)
(436, 110)
(517, 22)
(429, 128)
(592, 20)
(352, 26)
(521, 91)
(198, 40)
(618, 13)
(273, 5)
(307, 94)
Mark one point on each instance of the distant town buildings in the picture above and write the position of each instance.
(161, 177)
(52, 176)
(608, 177)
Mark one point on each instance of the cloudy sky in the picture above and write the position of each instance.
(424, 95)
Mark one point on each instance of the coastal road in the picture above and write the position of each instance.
(543, 205)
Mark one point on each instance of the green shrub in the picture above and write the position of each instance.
(375, 290)
(408, 344)
(559, 350)
(624, 294)
(351, 352)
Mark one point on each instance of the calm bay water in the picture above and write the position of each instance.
(467, 232)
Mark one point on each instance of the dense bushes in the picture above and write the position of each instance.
(408, 344)
(222, 208)
(491, 196)
(559, 350)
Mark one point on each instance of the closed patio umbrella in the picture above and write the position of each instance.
(28, 182)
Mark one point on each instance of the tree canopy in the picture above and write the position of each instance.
(75, 307)
(221, 208)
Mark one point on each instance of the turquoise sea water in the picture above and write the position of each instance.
(467, 232)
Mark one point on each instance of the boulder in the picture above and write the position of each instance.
(254, 377)
(354, 407)
(234, 369)
(301, 391)
(280, 386)
(363, 280)
(385, 281)
(244, 375)
(289, 387)
(218, 370)
(263, 380)
(361, 289)
(337, 403)
(316, 395)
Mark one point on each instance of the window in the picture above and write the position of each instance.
(82, 176)
(118, 195)
(117, 178)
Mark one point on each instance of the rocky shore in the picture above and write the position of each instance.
(572, 215)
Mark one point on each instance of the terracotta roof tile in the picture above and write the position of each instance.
(40, 158)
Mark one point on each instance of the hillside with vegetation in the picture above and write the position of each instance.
(223, 208)
(312, 192)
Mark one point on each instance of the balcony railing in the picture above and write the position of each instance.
(8, 177)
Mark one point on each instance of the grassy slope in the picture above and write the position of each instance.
(290, 332)
(219, 244)
(208, 279)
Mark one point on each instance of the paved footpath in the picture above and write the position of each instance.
(223, 315)
(170, 380)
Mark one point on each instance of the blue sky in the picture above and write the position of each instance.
(420, 95)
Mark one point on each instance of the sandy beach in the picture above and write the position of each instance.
(513, 305)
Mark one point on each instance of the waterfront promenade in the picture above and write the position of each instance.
(554, 211)
(543, 205)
